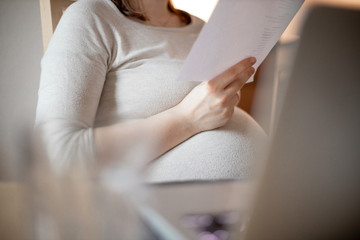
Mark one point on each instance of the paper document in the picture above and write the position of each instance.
(237, 29)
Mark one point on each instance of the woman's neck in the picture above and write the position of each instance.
(155, 8)
(158, 14)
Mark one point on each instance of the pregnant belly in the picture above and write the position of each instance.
(223, 153)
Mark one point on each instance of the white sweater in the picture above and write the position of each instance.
(102, 67)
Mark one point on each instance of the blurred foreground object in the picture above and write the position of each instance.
(44, 205)
(311, 185)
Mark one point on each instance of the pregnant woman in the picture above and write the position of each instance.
(108, 82)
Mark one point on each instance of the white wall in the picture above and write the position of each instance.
(20, 55)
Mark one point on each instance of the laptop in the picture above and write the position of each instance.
(311, 185)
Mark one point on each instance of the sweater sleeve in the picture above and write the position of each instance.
(73, 71)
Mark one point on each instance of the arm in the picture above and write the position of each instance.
(207, 106)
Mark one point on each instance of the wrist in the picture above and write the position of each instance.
(184, 119)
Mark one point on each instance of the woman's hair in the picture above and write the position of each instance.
(127, 7)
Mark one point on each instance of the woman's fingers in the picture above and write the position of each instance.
(228, 76)
(235, 99)
(239, 80)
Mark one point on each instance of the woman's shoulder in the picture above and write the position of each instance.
(90, 4)
(98, 16)
(104, 9)
(85, 25)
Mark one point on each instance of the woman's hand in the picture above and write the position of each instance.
(211, 104)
